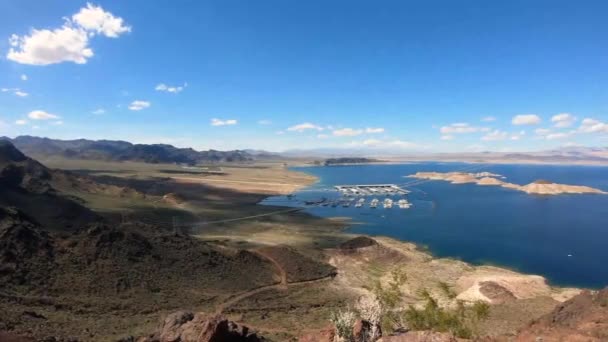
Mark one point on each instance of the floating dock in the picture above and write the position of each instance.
(371, 189)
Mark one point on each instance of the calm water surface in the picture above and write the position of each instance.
(564, 238)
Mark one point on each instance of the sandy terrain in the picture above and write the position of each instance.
(538, 187)
(264, 178)
(359, 270)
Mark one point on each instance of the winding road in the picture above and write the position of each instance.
(283, 284)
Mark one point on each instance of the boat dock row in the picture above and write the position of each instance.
(374, 203)
(370, 189)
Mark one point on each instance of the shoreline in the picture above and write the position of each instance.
(349, 222)
(466, 161)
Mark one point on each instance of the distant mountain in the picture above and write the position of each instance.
(123, 151)
(349, 160)
(262, 154)
(563, 155)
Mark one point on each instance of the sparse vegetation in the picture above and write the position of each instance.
(433, 317)
(389, 299)
(344, 320)
(460, 321)
(481, 310)
(447, 290)
(370, 309)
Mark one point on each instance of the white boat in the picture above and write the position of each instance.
(404, 204)
(388, 203)
(374, 203)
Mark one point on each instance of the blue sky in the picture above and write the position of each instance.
(276, 75)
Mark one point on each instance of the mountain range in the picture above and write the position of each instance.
(116, 150)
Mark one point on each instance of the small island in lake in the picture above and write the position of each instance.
(539, 187)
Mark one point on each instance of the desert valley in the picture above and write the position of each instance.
(103, 250)
(312, 171)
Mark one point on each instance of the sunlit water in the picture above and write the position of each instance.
(564, 237)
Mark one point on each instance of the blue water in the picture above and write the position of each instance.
(485, 224)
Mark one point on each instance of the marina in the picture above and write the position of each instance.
(356, 196)
(370, 190)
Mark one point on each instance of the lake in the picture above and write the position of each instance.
(563, 238)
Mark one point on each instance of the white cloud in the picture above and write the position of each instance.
(495, 135)
(58, 123)
(322, 136)
(447, 137)
(402, 144)
(21, 122)
(15, 91)
(41, 115)
(23, 77)
(458, 128)
(68, 43)
(526, 119)
(139, 105)
(99, 111)
(517, 136)
(555, 136)
(170, 89)
(372, 130)
(280, 132)
(589, 125)
(548, 134)
(542, 131)
(219, 122)
(385, 143)
(264, 122)
(563, 120)
(94, 18)
(488, 119)
(372, 142)
(347, 132)
(43, 47)
(304, 126)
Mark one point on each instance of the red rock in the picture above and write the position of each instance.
(363, 329)
(325, 335)
(184, 326)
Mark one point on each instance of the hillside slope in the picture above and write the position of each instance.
(66, 266)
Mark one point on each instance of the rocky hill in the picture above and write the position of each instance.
(582, 318)
(59, 259)
(26, 184)
(123, 151)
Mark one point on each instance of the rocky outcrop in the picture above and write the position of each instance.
(582, 318)
(495, 292)
(358, 242)
(185, 326)
(26, 185)
(364, 331)
(325, 335)
(26, 253)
